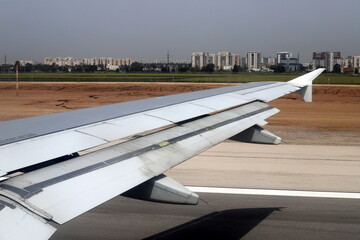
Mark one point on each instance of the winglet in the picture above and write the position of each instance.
(305, 84)
(307, 79)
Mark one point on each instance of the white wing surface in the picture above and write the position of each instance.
(127, 144)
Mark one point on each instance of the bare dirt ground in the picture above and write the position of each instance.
(332, 119)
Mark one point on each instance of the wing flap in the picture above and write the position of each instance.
(18, 223)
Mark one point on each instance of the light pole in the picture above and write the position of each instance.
(17, 63)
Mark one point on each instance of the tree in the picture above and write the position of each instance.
(28, 67)
(278, 68)
(165, 69)
(356, 71)
(208, 68)
(337, 68)
(194, 69)
(281, 69)
(236, 68)
(136, 67)
(183, 69)
(301, 67)
(53, 68)
(125, 68)
(17, 66)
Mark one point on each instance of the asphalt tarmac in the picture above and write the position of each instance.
(238, 216)
(227, 217)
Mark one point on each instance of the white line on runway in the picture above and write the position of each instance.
(271, 192)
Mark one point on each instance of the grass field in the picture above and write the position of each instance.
(175, 77)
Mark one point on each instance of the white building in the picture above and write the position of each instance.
(24, 62)
(287, 60)
(212, 58)
(240, 61)
(282, 56)
(112, 67)
(253, 61)
(95, 61)
(326, 60)
(356, 61)
(347, 63)
(199, 59)
(266, 61)
(225, 61)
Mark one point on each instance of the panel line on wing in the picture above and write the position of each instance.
(92, 135)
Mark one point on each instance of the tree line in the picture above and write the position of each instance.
(138, 67)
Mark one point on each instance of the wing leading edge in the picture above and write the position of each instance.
(62, 191)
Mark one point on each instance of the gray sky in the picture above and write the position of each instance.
(146, 29)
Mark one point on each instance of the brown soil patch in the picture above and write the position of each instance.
(332, 118)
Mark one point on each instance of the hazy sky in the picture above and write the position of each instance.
(146, 29)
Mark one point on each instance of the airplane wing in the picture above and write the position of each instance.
(55, 167)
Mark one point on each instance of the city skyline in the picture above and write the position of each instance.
(142, 29)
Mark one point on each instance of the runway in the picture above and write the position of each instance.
(223, 217)
(301, 168)
(284, 166)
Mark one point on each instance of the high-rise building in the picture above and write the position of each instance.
(285, 59)
(199, 59)
(326, 60)
(356, 62)
(253, 61)
(212, 58)
(267, 61)
(281, 57)
(347, 64)
(225, 60)
(240, 61)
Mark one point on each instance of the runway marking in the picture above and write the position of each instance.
(271, 192)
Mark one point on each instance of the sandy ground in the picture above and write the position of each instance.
(332, 119)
